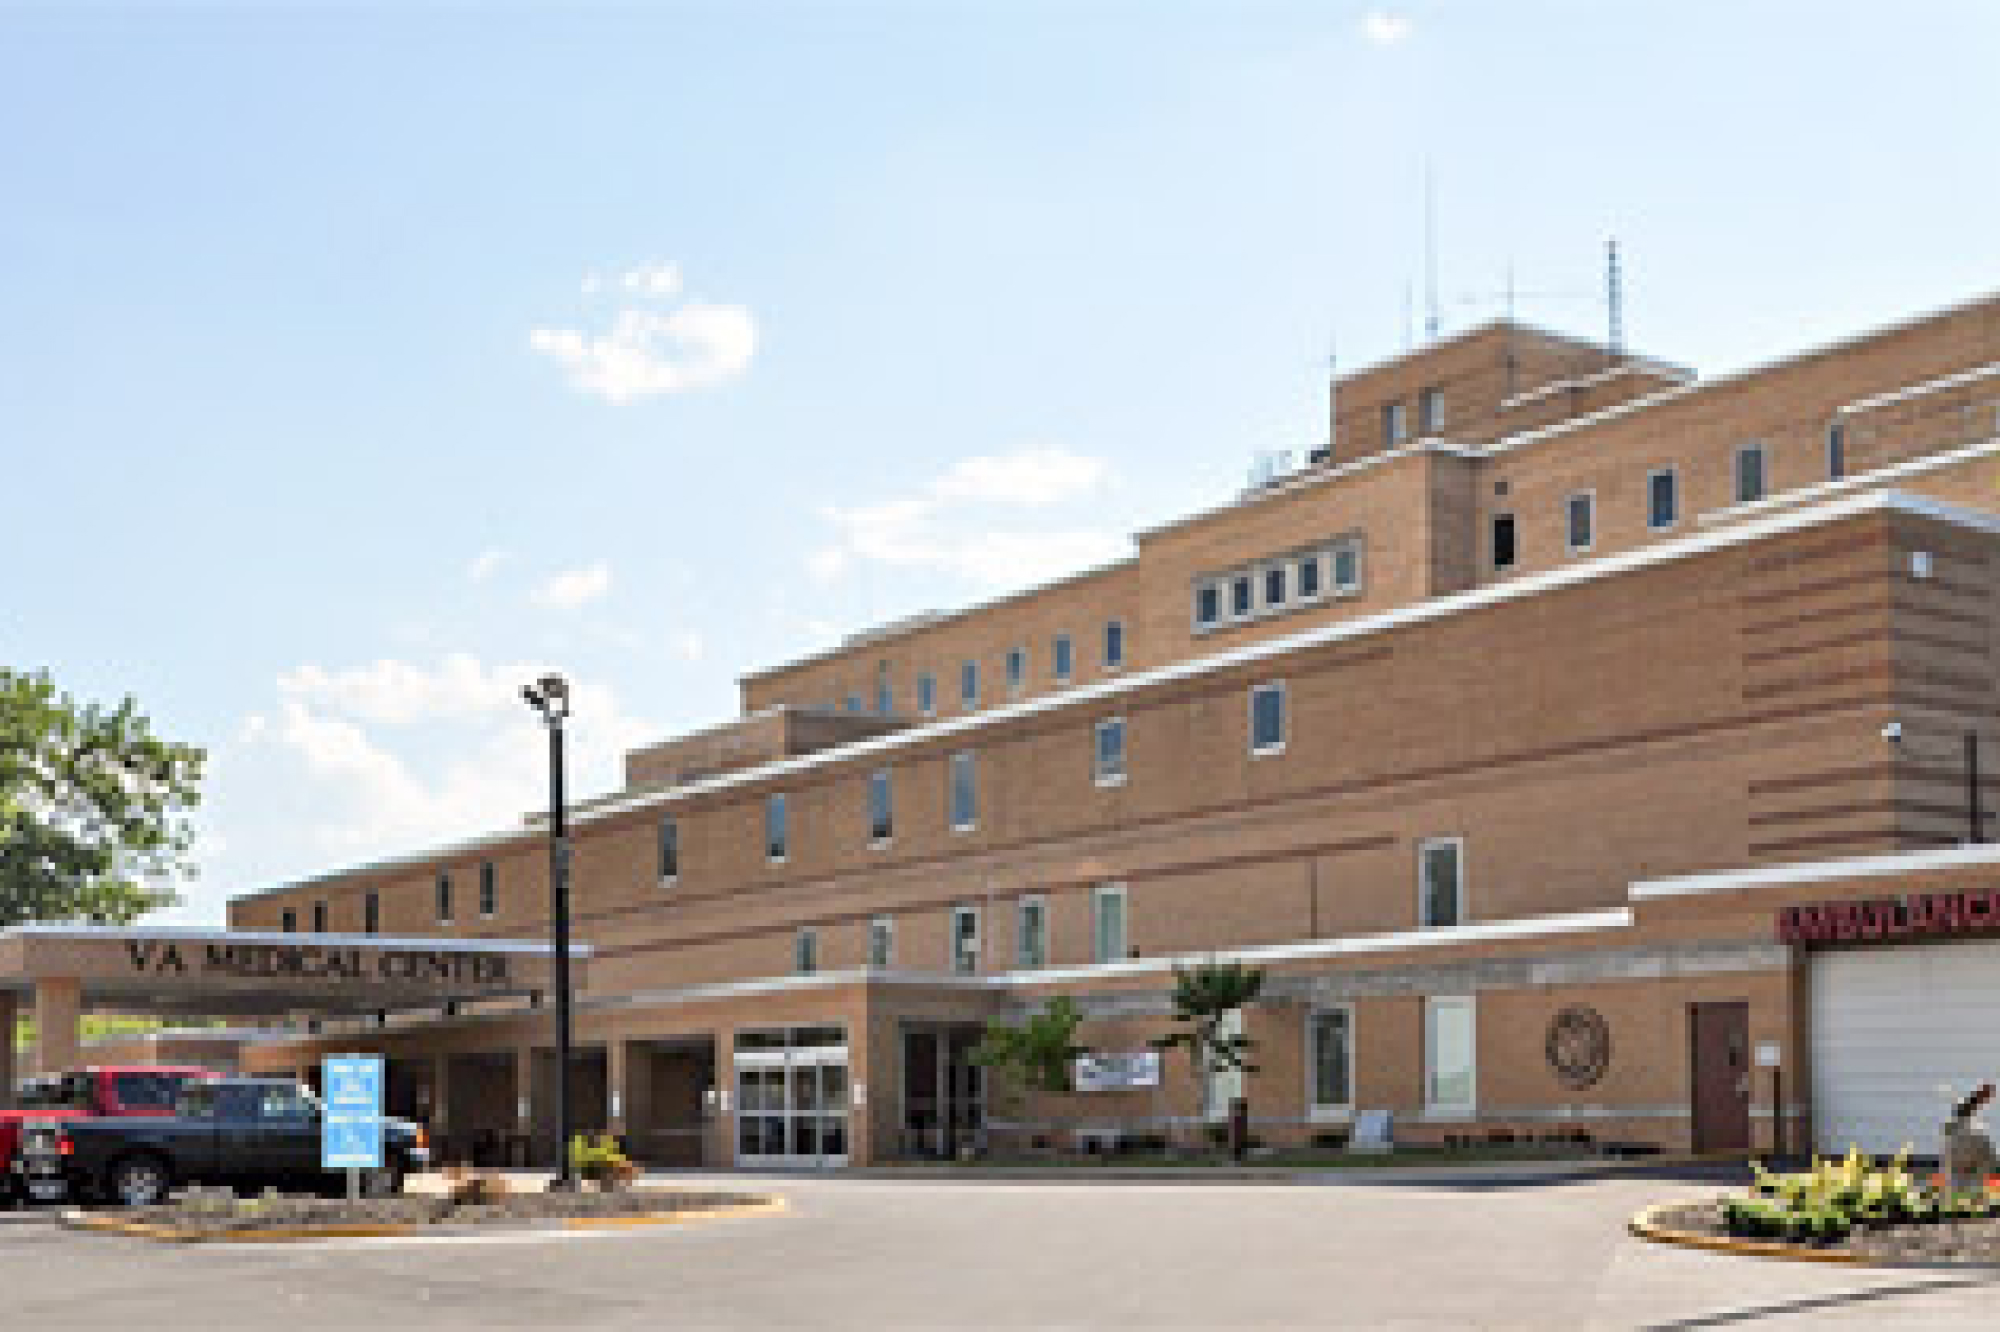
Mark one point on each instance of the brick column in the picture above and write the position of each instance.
(10, 1013)
(58, 1007)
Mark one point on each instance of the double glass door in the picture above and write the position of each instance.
(791, 1097)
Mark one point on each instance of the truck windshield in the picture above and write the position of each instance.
(52, 1094)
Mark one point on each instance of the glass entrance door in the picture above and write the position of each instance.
(791, 1097)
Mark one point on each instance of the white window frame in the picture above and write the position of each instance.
(1430, 411)
(1321, 563)
(1756, 449)
(1099, 895)
(1284, 718)
(882, 932)
(1457, 844)
(1493, 546)
(776, 802)
(1318, 1111)
(1589, 500)
(805, 951)
(1433, 1107)
(1037, 906)
(965, 759)
(1209, 587)
(1345, 546)
(1016, 668)
(963, 962)
(968, 683)
(1099, 772)
(1283, 570)
(1062, 658)
(878, 840)
(1395, 424)
(1104, 643)
(1230, 613)
(1673, 480)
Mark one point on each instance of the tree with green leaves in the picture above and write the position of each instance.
(94, 807)
(1038, 1053)
(1205, 998)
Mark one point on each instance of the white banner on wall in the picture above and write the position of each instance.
(1116, 1072)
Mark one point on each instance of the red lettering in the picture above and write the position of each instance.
(1979, 909)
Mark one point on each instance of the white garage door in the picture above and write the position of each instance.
(1892, 1028)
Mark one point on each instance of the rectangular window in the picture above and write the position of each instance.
(1580, 522)
(1836, 452)
(1108, 933)
(1393, 425)
(881, 941)
(670, 849)
(444, 899)
(777, 839)
(289, 921)
(371, 914)
(1749, 473)
(1347, 567)
(1017, 669)
(1309, 578)
(1207, 605)
(1450, 1068)
(1108, 764)
(964, 793)
(1063, 658)
(968, 684)
(1267, 719)
(1274, 585)
(1501, 544)
(965, 940)
(1330, 1061)
(805, 952)
(927, 693)
(489, 890)
(854, 702)
(1441, 881)
(1114, 645)
(319, 918)
(1031, 939)
(885, 697)
(1430, 411)
(1663, 501)
(1242, 595)
(881, 808)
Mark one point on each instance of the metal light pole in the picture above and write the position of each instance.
(1975, 817)
(550, 697)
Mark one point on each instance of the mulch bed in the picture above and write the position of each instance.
(1972, 1243)
(288, 1213)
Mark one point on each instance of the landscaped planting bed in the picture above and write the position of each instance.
(204, 1214)
(1973, 1242)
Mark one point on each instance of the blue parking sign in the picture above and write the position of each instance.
(350, 1134)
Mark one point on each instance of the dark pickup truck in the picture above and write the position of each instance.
(243, 1132)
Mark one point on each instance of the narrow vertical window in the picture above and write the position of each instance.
(968, 684)
(881, 941)
(1108, 762)
(1580, 522)
(1063, 658)
(1031, 942)
(1242, 595)
(1108, 925)
(965, 940)
(1450, 1063)
(289, 921)
(881, 808)
(1267, 718)
(1500, 542)
(1330, 1059)
(1017, 669)
(1836, 451)
(964, 793)
(1441, 881)
(1347, 567)
(444, 899)
(319, 918)
(1114, 645)
(777, 838)
(885, 697)
(1393, 426)
(1308, 576)
(854, 702)
(805, 952)
(489, 890)
(670, 849)
(1750, 480)
(1663, 501)
(1430, 411)
(1274, 586)
(371, 914)
(1207, 605)
(927, 693)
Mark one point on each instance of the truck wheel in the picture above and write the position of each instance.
(139, 1181)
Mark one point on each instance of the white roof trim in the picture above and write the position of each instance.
(1817, 871)
(1637, 365)
(1929, 386)
(196, 935)
(1849, 484)
(1312, 477)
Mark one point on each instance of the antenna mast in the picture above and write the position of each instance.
(1430, 257)
(1614, 301)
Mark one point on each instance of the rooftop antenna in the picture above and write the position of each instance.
(1409, 316)
(1431, 322)
(1332, 398)
(1614, 301)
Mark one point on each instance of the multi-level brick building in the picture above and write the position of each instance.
(1500, 736)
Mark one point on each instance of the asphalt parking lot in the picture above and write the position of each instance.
(873, 1253)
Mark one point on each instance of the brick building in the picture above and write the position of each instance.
(1509, 735)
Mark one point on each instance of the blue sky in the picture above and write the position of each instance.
(357, 360)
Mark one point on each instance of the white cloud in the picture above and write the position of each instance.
(398, 693)
(646, 350)
(1384, 28)
(951, 524)
(573, 587)
(688, 645)
(483, 566)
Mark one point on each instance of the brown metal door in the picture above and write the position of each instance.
(1719, 1041)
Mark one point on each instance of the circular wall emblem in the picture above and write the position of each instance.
(1579, 1046)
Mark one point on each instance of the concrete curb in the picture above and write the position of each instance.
(113, 1225)
(1440, 1172)
(1645, 1226)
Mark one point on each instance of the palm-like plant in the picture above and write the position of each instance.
(1205, 996)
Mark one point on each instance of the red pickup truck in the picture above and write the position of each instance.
(90, 1093)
